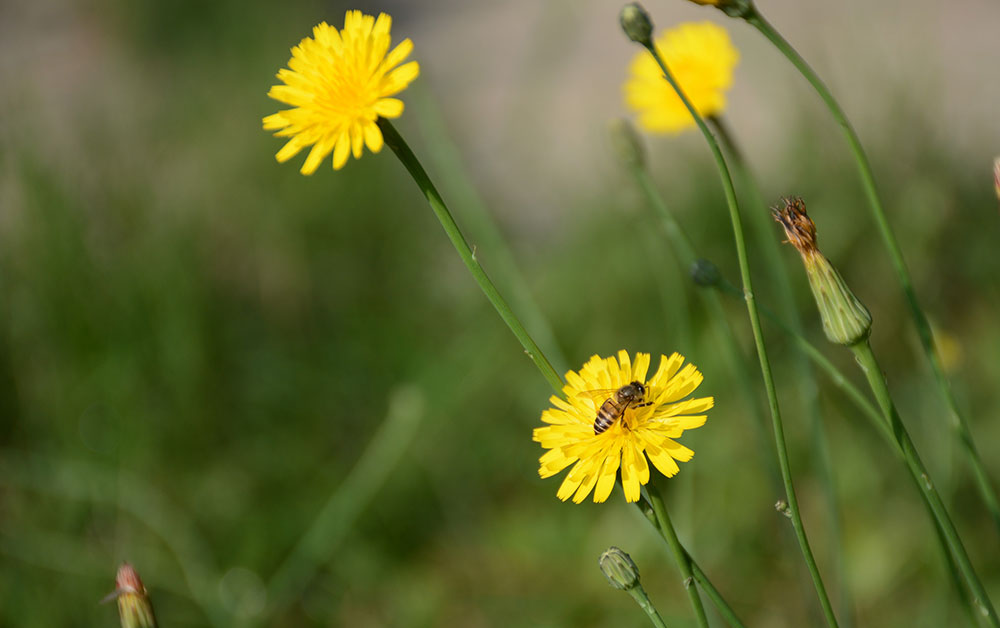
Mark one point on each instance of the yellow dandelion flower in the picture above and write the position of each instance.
(701, 57)
(340, 82)
(651, 420)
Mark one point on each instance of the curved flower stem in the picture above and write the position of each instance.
(318, 543)
(475, 214)
(958, 421)
(762, 231)
(395, 141)
(683, 250)
(700, 577)
(765, 365)
(639, 595)
(866, 360)
(874, 415)
(680, 555)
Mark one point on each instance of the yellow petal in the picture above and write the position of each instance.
(389, 107)
(682, 385)
(689, 406)
(641, 367)
(397, 80)
(291, 149)
(668, 366)
(316, 156)
(608, 475)
(357, 140)
(400, 52)
(275, 121)
(662, 461)
(373, 137)
(341, 151)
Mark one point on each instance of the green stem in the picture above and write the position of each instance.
(958, 421)
(483, 228)
(866, 408)
(683, 250)
(765, 366)
(680, 555)
(762, 227)
(699, 575)
(866, 360)
(395, 141)
(639, 595)
(334, 521)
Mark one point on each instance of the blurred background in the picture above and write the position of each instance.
(283, 399)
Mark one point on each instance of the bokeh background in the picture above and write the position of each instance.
(204, 356)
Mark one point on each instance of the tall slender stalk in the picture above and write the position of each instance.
(680, 555)
(958, 421)
(317, 544)
(762, 230)
(866, 360)
(765, 366)
(402, 150)
(876, 418)
(483, 227)
(683, 250)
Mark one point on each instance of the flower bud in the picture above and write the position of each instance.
(636, 24)
(619, 569)
(732, 8)
(846, 321)
(996, 176)
(134, 607)
(626, 143)
(704, 273)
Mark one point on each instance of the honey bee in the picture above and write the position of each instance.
(614, 406)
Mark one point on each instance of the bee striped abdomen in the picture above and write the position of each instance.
(607, 414)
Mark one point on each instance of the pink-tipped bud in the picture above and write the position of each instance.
(996, 176)
(134, 607)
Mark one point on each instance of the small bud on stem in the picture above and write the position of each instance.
(134, 607)
(619, 569)
(636, 24)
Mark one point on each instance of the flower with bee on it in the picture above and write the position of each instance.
(601, 444)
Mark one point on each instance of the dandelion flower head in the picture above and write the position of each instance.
(701, 58)
(647, 429)
(339, 83)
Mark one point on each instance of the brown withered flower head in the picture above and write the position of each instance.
(846, 320)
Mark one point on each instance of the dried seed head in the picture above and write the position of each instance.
(799, 228)
(846, 321)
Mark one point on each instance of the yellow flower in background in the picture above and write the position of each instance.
(701, 57)
(646, 428)
(340, 82)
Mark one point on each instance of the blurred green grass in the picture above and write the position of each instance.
(197, 344)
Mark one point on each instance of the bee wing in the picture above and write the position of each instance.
(599, 395)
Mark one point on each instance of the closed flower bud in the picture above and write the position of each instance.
(732, 8)
(134, 607)
(636, 24)
(704, 273)
(619, 569)
(996, 176)
(846, 320)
